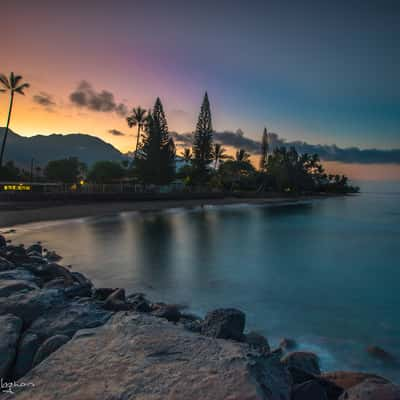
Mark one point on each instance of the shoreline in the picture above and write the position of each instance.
(20, 213)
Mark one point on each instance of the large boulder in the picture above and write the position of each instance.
(348, 379)
(257, 341)
(66, 319)
(26, 351)
(302, 365)
(30, 305)
(12, 286)
(168, 311)
(372, 389)
(138, 356)
(310, 390)
(49, 346)
(224, 323)
(10, 329)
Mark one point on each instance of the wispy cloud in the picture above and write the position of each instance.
(116, 132)
(326, 152)
(86, 97)
(44, 99)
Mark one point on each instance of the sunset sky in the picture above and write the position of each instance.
(324, 72)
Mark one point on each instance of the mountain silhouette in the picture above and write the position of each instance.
(42, 148)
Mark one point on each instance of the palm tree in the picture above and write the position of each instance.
(242, 156)
(13, 85)
(137, 118)
(219, 154)
(187, 155)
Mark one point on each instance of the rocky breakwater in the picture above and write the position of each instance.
(61, 338)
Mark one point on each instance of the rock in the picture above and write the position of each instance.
(27, 348)
(81, 279)
(372, 389)
(3, 241)
(6, 265)
(20, 274)
(287, 344)
(52, 256)
(348, 379)
(138, 356)
(168, 311)
(66, 319)
(16, 254)
(54, 271)
(257, 341)
(224, 323)
(116, 301)
(310, 390)
(302, 365)
(49, 346)
(31, 305)
(37, 248)
(10, 286)
(141, 306)
(103, 293)
(57, 283)
(10, 329)
(78, 290)
(381, 354)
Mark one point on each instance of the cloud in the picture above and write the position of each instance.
(86, 97)
(44, 99)
(326, 152)
(116, 132)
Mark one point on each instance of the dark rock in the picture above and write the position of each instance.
(52, 256)
(310, 390)
(57, 271)
(103, 293)
(20, 274)
(49, 346)
(348, 379)
(16, 254)
(257, 341)
(27, 348)
(116, 301)
(10, 286)
(224, 323)
(303, 366)
(141, 306)
(372, 389)
(6, 265)
(168, 311)
(31, 305)
(81, 279)
(3, 241)
(37, 248)
(68, 318)
(381, 354)
(287, 344)
(78, 290)
(57, 283)
(10, 329)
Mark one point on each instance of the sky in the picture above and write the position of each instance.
(322, 72)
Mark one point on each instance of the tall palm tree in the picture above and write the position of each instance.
(187, 155)
(219, 154)
(13, 85)
(137, 118)
(242, 156)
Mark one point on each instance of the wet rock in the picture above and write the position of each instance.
(287, 344)
(20, 274)
(310, 390)
(372, 389)
(35, 248)
(78, 290)
(49, 346)
(168, 311)
(302, 365)
(380, 354)
(26, 351)
(11, 286)
(103, 293)
(141, 306)
(81, 279)
(5, 264)
(348, 379)
(57, 283)
(52, 256)
(54, 271)
(257, 341)
(3, 241)
(138, 356)
(31, 305)
(116, 301)
(66, 319)
(10, 329)
(224, 323)
(16, 254)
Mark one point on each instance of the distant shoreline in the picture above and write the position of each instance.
(18, 213)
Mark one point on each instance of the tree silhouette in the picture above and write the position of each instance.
(156, 159)
(242, 156)
(264, 150)
(219, 154)
(202, 146)
(13, 84)
(187, 155)
(137, 118)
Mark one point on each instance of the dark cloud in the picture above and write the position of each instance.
(86, 97)
(116, 132)
(326, 152)
(44, 99)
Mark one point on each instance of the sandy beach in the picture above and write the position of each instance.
(17, 213)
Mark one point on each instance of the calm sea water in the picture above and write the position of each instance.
(325, 273)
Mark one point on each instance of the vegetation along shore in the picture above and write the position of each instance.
(62, 337)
